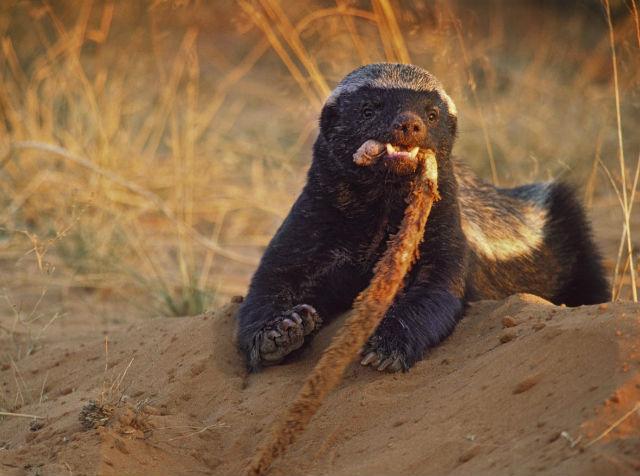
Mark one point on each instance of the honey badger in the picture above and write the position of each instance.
(482, 242)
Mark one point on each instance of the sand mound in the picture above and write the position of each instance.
(521, 387)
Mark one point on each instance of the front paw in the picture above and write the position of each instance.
(286, 333)
(383, 354)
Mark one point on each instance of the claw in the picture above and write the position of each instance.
(309, 310)
(370, 357)
(296, 317)
(268, 343)
(286, 324)
(309, 316)
(273, 335)
(385, 363)
(396, 366)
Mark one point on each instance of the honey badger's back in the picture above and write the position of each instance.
(534, 238)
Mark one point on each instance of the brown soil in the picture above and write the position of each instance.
(479, 404)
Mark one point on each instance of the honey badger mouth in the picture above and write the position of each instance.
(399, 152)
(399, 159)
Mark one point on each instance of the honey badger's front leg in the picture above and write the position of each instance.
(426, 312)
(419, 320)
(301, 277)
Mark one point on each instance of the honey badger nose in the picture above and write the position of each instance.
(408, 129)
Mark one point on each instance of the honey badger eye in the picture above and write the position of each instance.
(432, 115)
(367, 112)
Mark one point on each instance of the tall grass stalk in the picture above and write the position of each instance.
(626, 233)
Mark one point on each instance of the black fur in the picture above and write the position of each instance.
(324, 252)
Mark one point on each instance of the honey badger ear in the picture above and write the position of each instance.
(328, 116)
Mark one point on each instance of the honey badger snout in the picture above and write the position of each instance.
(408, 129)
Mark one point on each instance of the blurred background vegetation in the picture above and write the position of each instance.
(149, 149)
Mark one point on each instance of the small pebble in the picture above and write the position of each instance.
(66, 391)
(509, 321)
(526, 384)
(507, 337)
(469, 454)
(554, 437)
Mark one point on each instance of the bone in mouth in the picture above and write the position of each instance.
(368, 152)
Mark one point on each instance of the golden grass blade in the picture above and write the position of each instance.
(476, 101)
(636, 19)
(590, 186)
(227, 83)
(14, 64)
(617, 275)
(625, 232)
(397, 39)
(636, 408)
(344, 11)
(19, 415)
(262, 23)
(625, 206)
(385, 32)
(100, 35)
(621, 281)
(289, 33)
(347, 18)
(153, 130)
(71, 45)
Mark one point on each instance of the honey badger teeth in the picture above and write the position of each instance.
(394, 152)
(371, 150)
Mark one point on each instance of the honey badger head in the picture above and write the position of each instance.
(403, 107)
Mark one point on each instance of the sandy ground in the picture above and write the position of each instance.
(522, 387)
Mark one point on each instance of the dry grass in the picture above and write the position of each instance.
(148, 151)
